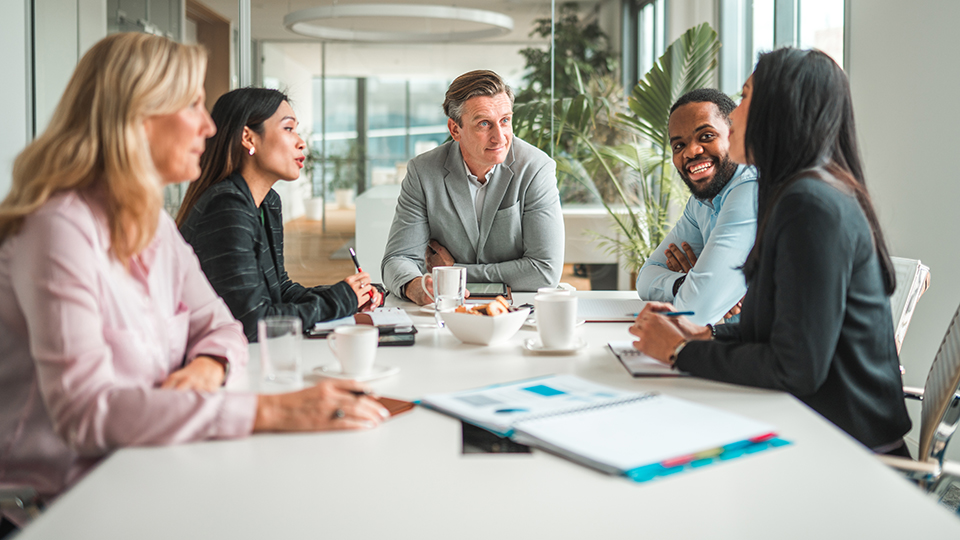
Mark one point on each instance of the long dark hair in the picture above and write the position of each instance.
(243, 107)
(800, 123)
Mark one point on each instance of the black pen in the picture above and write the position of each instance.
(353, 255)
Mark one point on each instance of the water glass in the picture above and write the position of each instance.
(280, 358)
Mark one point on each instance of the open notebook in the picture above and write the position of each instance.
(638, 435)
(639, 364)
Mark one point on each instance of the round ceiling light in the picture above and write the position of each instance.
(381, 25)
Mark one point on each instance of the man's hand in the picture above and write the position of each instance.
(680, 260)
(414, 291)
(735, 310)
(437, 255)
(203, 374)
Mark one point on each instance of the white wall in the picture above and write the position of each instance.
(903, 63)
(685, 14)
(13, 95)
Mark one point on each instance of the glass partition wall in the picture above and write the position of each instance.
(367, 105)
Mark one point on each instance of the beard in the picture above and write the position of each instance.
(725, 171)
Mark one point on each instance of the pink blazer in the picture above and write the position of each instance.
(85, 344)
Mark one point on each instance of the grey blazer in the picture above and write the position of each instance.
(519, 240)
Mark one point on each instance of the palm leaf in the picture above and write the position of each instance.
(685, 65)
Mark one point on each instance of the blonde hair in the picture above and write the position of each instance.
(96, 137)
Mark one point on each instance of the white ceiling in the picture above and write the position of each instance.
(267, 15)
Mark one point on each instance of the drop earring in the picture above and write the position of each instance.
(252, 150)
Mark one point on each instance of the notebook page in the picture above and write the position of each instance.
(641, 432)
(498, 407)
(609, 309)
(639, 364)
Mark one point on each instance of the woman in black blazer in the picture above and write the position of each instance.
(231, 216)
(816, 319)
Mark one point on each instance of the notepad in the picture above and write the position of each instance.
(392, 320)
(609, 309)
(638, 435)
(639, 364)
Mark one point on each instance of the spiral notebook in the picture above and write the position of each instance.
(638, 435)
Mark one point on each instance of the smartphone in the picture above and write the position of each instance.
(397, 340)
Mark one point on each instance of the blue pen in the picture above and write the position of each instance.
(668, 313)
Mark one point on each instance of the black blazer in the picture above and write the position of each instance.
(815, 321)
(243, 259)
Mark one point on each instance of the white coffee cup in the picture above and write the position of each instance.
(553, 290)
(449, 286)
(556, 319)
(355, 347)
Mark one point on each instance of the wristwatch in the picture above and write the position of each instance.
(676, 352)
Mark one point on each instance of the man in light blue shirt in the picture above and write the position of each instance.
(697, 266)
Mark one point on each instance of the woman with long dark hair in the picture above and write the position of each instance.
(231, 216)
(816, 319)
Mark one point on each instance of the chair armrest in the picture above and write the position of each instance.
(21, 505)
(951, 468)
(913, 392)
(914, 470)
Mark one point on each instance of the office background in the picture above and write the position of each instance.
(901, 57)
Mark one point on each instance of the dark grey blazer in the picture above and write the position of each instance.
(816, 320)
(243, 259)
(519, 240)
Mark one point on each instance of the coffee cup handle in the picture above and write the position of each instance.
(331, 341)
(423, 287)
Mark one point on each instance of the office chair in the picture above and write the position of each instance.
(939, 417)
(22, 505)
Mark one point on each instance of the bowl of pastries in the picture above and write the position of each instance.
(485, 324)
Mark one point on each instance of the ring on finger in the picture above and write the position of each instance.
(338, 414)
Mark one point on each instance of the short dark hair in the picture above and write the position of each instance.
(481, 82)
(702, 95)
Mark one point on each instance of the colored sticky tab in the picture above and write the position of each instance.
(677, 461)
(764, 437)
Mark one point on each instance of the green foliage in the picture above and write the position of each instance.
(634, 160)
(581, 48)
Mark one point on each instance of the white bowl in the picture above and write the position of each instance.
(484, 330)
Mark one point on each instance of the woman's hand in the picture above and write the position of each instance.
(660, 335)
(203, 374)
(360, 283)
(331, 404)
(375, 301)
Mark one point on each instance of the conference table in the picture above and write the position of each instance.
(408, 478)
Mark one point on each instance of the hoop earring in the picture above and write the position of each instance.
(252, 150)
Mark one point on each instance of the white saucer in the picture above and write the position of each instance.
(332, 371)
(533, 345)
(429, 308)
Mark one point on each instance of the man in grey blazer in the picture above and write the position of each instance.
(484, 201)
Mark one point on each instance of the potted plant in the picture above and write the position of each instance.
(346, 174)
(640, 170)
(313, 198)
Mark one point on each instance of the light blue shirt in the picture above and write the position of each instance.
(721, 233)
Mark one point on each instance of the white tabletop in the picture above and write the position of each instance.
(408, 478)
